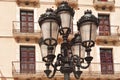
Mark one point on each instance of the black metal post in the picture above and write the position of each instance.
(66, 76)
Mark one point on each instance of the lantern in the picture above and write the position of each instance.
(49, 23)
(87, 26)
(66, 14)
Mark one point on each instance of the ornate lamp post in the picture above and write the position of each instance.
(60, 22)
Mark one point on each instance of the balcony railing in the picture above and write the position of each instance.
(104, 5)
(113, 37)
(16, 71)
(94, 71)
(18, 34)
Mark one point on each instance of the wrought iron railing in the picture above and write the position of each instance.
(39, 67)
(2, 77)
(93, 71)
(16, 28)
(114, 30)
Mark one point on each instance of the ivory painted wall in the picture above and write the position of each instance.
(9, 48)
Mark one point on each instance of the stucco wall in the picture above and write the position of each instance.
(9, 48)
(7, 15)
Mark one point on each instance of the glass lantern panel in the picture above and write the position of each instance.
(76, 50)
(55, 28)
(83, 53)
(79, 50)
(50, 29)
(88, 31)
(43, 50)
(66, 20)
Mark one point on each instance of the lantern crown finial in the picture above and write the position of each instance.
(64, 6)
(50, 14)
(49, 10)
(87, 17)
(88, 12)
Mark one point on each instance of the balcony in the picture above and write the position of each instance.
(92, 73)
(16, 72)
(72, 3)
(112, 40)
(28, 3)
(104, 5)
(26, 36)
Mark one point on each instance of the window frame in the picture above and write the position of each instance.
(104, 25)
(106, 60)
(25, 22)
(25, 59)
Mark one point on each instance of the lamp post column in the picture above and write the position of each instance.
(66, 76)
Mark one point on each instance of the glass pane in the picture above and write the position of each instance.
(106, 22)
(24, 54)
(101, 28)
(31, 66)
(24, 60)
(101, 22)
(47, 31)
(55, 29)
(30, 24)
(30, 18)
(23, 66)
(66, 19)
(24, 30)
(23, 18)
(24, 23)
(110, 67)
(103, 69)
(103, 0)
(30, 13)
(23, 13)
(23, 48)
(30, 28)
(82, 52)
(32, 60)
(85, 30)
(31, 54)
(31, 48)
(43, 50)
(76, 49)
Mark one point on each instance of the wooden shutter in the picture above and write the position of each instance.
(104, 25)
(26, 21)
(106, 59)
(27, 59)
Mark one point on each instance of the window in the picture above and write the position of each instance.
(106, 59)
(102, 0)
(27, 59)
(26, 21)
(104, 25)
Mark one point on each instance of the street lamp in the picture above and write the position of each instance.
(60, 21)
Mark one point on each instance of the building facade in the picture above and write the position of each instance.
(20, 55)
